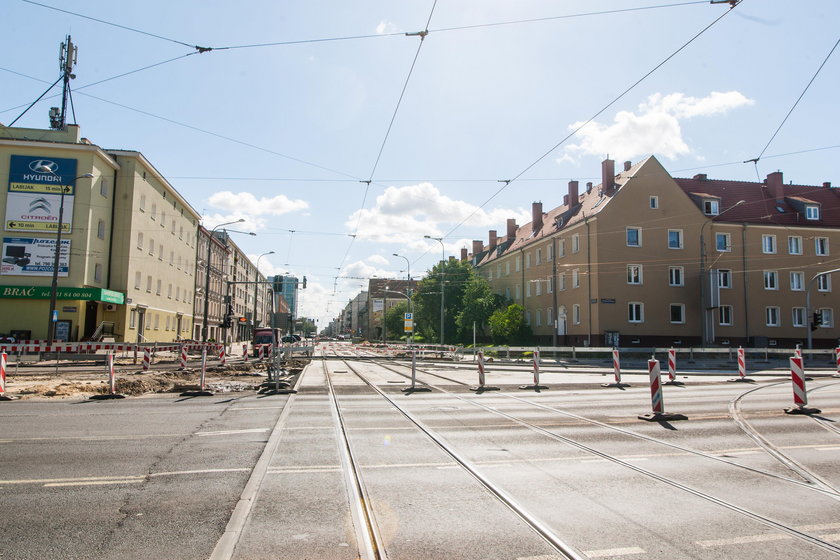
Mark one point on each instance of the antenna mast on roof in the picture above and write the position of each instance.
(66, 59)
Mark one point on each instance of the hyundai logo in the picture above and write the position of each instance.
(36, 165)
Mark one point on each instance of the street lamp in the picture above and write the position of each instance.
(704, 316)
(256, 279)
(808, 301)
(57, 252)
(442, 279)
(207, 277)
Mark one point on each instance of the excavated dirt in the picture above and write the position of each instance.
(38, 382)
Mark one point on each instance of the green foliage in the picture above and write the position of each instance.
(395, 321)
(508, 326)
(477, 305)
(427, 305)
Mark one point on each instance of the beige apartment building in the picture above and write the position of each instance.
(647, 259)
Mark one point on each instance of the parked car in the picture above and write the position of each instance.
(291, 338)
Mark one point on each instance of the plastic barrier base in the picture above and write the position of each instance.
(106, 397)
(415, 389)
(741, 380)
(662, 417)
(617, 385)
(8, 398)
(802, 410)
(480, 389)
(533, 387)
(198, 393)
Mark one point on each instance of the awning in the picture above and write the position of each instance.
(43, 292)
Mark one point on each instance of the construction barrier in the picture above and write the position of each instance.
(800, 395)
(245, 352)
(202, 383)
(147, 358)
(3, 357)
(742, 363)
(657, 403)
(616, 365)
(837, 360)
(537, 367)
(481, 369)
(183, 357)
(222, 356)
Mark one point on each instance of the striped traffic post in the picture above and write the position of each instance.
(798, 353)
(616, 371)
(112, 381)
(657, 401)
(3, 395)
(183, 356)
(414, 388)
(202, 384)
(480, 369)
(536, 367)
(221, 357)
(672, 368)
(147, 358)
(742, 367)
(800, 395)
(245, 352)
(261, 352)
(837, 360)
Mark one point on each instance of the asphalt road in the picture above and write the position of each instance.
(159, 476)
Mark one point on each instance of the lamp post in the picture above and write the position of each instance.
(408, 292)
(704, 316)
(808, 301)
(57, 250)
(442, 279)
(256, 280)
(207, 277)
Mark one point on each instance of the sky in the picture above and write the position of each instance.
(343, 133)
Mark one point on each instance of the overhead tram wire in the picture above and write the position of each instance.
(507, 182)
(740, 162)
(798, 99)
(422, 35)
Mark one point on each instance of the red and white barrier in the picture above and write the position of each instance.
(480, 369)
(797, 377)
(221, 357)
(798, 353)
(201, 382)
(657, 403)
(147, 358)
(245, 352)
(112, 380)
(672, 365)
(537, 367)
(837, 360)
(183, 356)
(3, 358)
(261, 352)
(616, 365)
(742, 363)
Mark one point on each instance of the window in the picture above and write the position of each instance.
(489, 274)
(100, 229)
(723, 242)
(725, 315)
(575, 278)
(140, 240)
(562, 284)
(169, 292)
(157, 321)
(675, 239)
(167, 322)
(181, 232)
(768, 244)
(154, 211)
(159, 283)
(724, 278)
(151, 246)
(798, 316)
(797, 281)
(821, 245)
(771, 280)
(539, 256)
(677, 313)
(539, 317)
(527, 289)
(527, 317)
(812, 212)
(132, 319)
(562, 249)
(142, 202)
(549, 319)
(634, 274)
(654, 202)
(518, 292)
(576, 314)
(827, 317)
(507, 268)
(103, 187)
(507, 293)
(711, 207)
(549, 252)
(549, 286)
(771, 314)
(177, 293)
(163, 218)
(675, 276)
(499, 270)
(171, 258)
(97, 272)
(173, 226)
(149, 284)
(518, 263)
(824, 283)
(794, 245)
(576, 243)
(634, 237)
(635, 312)
(527, 261)
(538, 286)
(138, 280)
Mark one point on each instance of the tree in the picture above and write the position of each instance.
(508, 326)
(395, 321)
(456, 275)
(478, 304)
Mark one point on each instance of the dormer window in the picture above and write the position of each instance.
(812, 212)
(711, 207)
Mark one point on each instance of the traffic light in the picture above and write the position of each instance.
(817, 322)
(227, 322)
(304, 282)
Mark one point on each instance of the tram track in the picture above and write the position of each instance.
(763, 519)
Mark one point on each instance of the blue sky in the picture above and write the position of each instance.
(286, 135)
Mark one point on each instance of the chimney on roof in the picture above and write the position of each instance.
(491, 243)
(776, 184)
(574, 196)
(589, 187)
(536, 217)
(463, 253)
(478, 246)
(827, 185)
(628, 165)
(607, 175)
(701, 177)
(511, 228)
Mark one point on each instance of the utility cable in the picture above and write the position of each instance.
(507, 182)
(798, 99)
(36, 101)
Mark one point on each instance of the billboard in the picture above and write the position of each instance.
(34, 194)
(27, 256)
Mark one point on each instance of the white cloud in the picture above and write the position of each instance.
(404, 215)
(386, 27)
(247, 203)
(378, 259)
(654, 129)
(361, 269)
